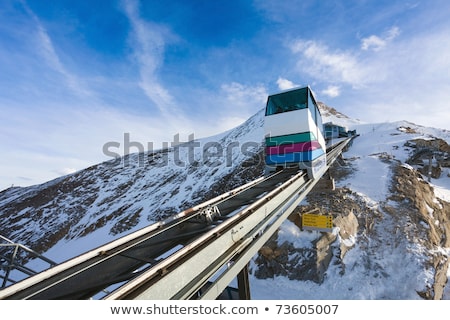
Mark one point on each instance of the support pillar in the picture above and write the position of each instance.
(244, 284)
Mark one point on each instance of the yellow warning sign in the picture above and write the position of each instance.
(317, 222)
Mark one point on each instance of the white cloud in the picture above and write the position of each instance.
(414, 85)
(240, 102)
(377, 43)
(327, 65)
(54, 141)
(331, 91)
(285, 84)
(374, 42)
(393, 33)
(243, 96)
(390, 80)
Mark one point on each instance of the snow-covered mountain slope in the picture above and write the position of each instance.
(392, 224)
(77, 212)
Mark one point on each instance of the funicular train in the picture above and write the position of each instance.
(294, 134)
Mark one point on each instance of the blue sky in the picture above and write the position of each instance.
(78, 74)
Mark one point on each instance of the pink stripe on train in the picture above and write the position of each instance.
(293, 147)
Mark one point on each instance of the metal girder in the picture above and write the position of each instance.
(181, 275)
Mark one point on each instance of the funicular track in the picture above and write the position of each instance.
(192, 255)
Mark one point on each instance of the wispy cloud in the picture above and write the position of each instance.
(46, 49)
(242, 95)
(377, 43)
(148, 44)
(393, 75)
(326, 64)
(240, 102)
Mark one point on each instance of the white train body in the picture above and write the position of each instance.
(294, 132)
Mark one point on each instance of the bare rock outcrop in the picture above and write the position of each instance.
(311, 262)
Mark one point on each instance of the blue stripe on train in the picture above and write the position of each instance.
(294, 157)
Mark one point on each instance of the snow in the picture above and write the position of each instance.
(374, 269)
(291, 233)
(442, 186)
(392, 273)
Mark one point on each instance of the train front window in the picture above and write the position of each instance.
(274, 109)
(287, 101)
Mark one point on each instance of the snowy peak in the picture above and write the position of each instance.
(331, 115)
(328, 111)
